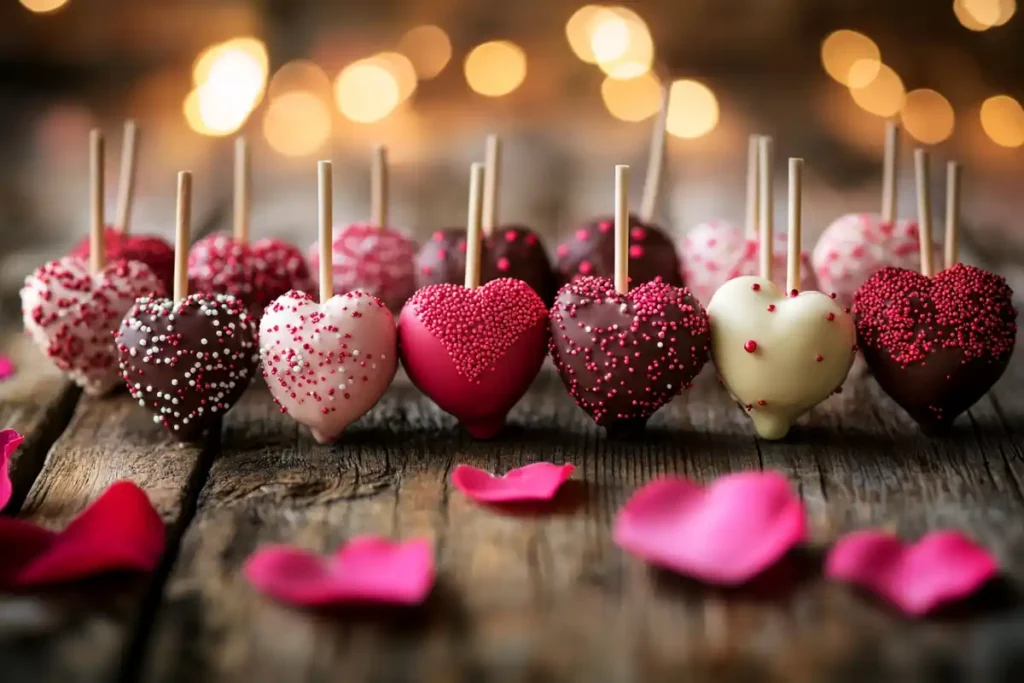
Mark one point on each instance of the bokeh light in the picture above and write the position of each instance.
(366, 92)
(403, 71)
(299, 75)
(230, 79)
(927, 116)
(1002, 119)
(966, 19)
(428, 48)
(496, 68)
(692, 109)
(43, 6)
(883, 95)
(621, 43)
(297, 123)
(244, 52)
(842, 50)
(633, 100)
(579, 30)
(979, 15)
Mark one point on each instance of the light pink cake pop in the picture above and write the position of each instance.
(378, 261)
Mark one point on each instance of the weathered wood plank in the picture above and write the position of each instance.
(79, 635)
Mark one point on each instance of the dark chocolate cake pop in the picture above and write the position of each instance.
(591, 252)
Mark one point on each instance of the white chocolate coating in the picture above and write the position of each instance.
(327, 365)
(783, 371)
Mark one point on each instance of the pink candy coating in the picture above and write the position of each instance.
(378, 261)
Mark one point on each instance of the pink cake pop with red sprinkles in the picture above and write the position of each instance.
(474, 350)
(373, 257)
(119, 243)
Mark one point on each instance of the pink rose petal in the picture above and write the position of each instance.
(941, 568)
(364, 570)
(539, 481)
(10, 439)
(726, 533)
(6, 367)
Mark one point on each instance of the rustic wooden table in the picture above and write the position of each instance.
(535, 594)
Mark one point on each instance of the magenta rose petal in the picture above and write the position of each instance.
(726, 533)
(941, 568)
(6, 367)
(538, 481)
(10, 439)
(366, 570)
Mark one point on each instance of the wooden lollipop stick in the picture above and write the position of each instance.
(622, 229)
(753, 191)
(97, 243)
(182, 234)
(379, 187)
(473, 225)
(924, 210)
(492, 179)
(796, 174)
(243, 182)
(952, 213)
(325, 223)
(655, 161)
(126, 183)
(892, 145)
(767, 205)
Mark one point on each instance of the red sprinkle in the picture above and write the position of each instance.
(750, 346)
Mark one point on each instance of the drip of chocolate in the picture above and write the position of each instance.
(591, 252)
(936, 345)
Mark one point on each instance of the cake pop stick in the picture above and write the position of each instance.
(379, 187)
(766, 204)
(325, 221)
(243, 184)
(924, 211)
(126, 184)
(952, 241)
(655, 162)
(97, 248)
(492, 180)
(753, 186)
(473, 226)
(796, 168)
(622, 229)
(182, 234)
(889, 177)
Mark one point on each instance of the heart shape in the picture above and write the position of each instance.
(10, 439)
(856, 246)
(717, 251)
(328, 364)
(153, 251)
(726, 533)
(537, 481)
(940, 568)
(622, 357)
(189, 361)
(778, 355)
(71, 314)
(364, 570)
(936, 345)
(119, 532)
(367, 258)
(280, 268)
(475, 352)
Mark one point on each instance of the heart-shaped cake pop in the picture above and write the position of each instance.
(280, 268)
(153, 251)
(220, 264)
(624, 356)
(717, 251)
(936, 345)
(591, 251)
(474, 351)
(856, 246)
(72, 314)
(442, 259)
(188, 361)
(328, 364)
(778, 355)
(378, 261)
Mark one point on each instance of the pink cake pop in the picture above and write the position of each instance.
(372, 257)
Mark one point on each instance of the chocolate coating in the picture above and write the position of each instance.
(591, 251)
(188, 362)
(623, 357)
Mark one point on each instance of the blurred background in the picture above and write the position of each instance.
(573, 88)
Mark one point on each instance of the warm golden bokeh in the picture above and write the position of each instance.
(883, 95)
(43, 6)
(979, 15)
(297, 123)
(244, 52)
(230, 79)
(496, 68)
(621, 43)
(299, 75)
(633, 100)
(366, 92)
(399, 66)
(1002, 119)
(692, 109)
(927, 116)
(428, 48)
(844, 50)
(579, 30)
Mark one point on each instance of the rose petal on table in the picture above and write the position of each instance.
(6, 367)
(10, 439)
(539, 481)
(940, 568)
(119, 532)
(726, 533)
(367, 569)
